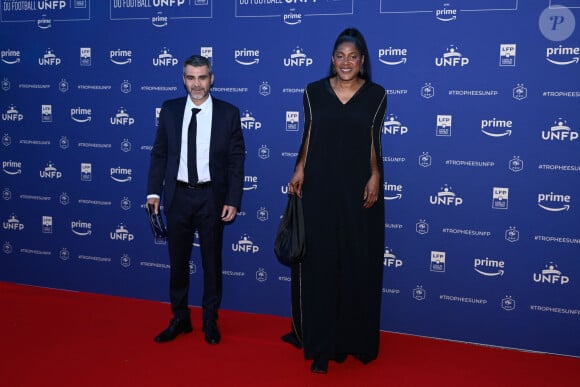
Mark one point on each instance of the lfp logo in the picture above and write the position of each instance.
(507, 55)
(444, 122)
(437, 261)
(500, 200)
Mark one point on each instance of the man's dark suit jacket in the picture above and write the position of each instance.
(226, 153)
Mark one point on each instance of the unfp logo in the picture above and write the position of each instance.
(165, 59)
(49, 59)
(393, 126)
(445, 197)
(122, 118)
(245, 245)
(298, 59)
(390, 260)
(249, 122)
(554, 202)
(12, 114)
(50, 172)
(13, 224)
(121, 234)
(560, 131)
(51, 4)
(452, 58)
(393, 56)
(551, 275)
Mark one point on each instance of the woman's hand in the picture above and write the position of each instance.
(295, 184)
(371, 192)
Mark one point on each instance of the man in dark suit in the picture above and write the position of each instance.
(197, 165)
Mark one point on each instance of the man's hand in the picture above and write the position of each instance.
(229, 213)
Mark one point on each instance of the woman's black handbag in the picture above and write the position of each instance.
(290, 243)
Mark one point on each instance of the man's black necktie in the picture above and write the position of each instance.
(191, 147)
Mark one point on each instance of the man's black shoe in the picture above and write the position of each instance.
(176, 326)
(212, 333)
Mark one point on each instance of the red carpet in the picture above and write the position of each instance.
(58, 338)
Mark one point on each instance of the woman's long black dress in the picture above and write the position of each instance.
(339, 287)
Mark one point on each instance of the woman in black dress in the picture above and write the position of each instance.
(339, 175)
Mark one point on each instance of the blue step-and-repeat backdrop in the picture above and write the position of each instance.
(480, 145)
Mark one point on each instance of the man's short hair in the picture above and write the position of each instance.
(197, 61)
